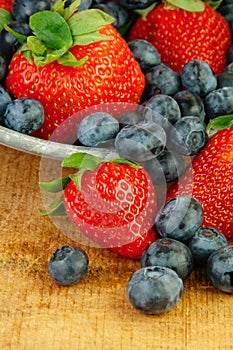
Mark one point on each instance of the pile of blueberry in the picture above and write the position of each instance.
(183, 244)
(205, 96)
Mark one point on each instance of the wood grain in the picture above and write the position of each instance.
(95, 314)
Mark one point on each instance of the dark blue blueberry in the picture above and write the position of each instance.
(136, 4)
(164, 105)
(161, 80)
(8, 43)
(154, 289)
(96, 128)
(190, 104)
(140, 142)
(169, 253)
(166, 167)
(188, 136)
(119, 13)
(145, 54)
(68, 265)
(230, 51)
(198, 77)
(220, 269)
(219, 102)
(229, 68)
(3, 69)
(84, 4)
(179, 218)
(23, 9)
(204, 242)
(225, 79)
(226, 11)
(24, 115)
(5, 98)
(130, 118)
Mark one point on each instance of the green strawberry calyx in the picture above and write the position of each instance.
(83, 162)
(57, 30)
(219, 123)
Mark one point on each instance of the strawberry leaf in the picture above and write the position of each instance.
(81, 160)
(52, 29)
(5, 17)
(80, 22)
(86, 39)
(55, 185)
(125, 161)
(144, 12)
(70, 60)
(57, 208)
(214, 3)
(220, 123)
(192, 6)
(20, 37)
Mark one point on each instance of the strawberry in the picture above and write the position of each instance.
(6, 4)
(210, 178)
(77, 61)
(111, 202)
(189, 30)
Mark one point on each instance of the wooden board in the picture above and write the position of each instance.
(95, 314)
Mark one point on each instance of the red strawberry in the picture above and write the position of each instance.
(106, 72)
(181, 35)
(6, 4)
(113, 203)
(210, 179)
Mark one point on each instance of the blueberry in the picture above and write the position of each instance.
(168, 166)
(188, 136)
(96, 128)
(230, 51)
(219, 102)
(164, 105)
(5, 98)
(3, 69)
(140, 142)
(225, 79)
(198, 77)
(68, 265)
(169, 253)
(204, 242)
(130, 118)
(179, 218)
(84, 4)
(161, 80)
(220, 269)
(8, 43)
(23, 9)
(24, 115)
(154, 289)
(226, 11)
(145, 54)
(136, 4)
(119, 13)
(190, 104)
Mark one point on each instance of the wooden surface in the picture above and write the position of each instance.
(35, 313)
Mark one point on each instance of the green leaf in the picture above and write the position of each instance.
(20, 37)
(5, 17)
(68, 11)
(51, 56)
(55, 185)
(126, 161)
(144, 12)
(86, 39)
(77, 178)
(36, 45)
(220, 123)
(57, 208)
(52, 29)
(192, 6)
(81, 160)
(214, 3)
(85, 22)
(70, 60)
